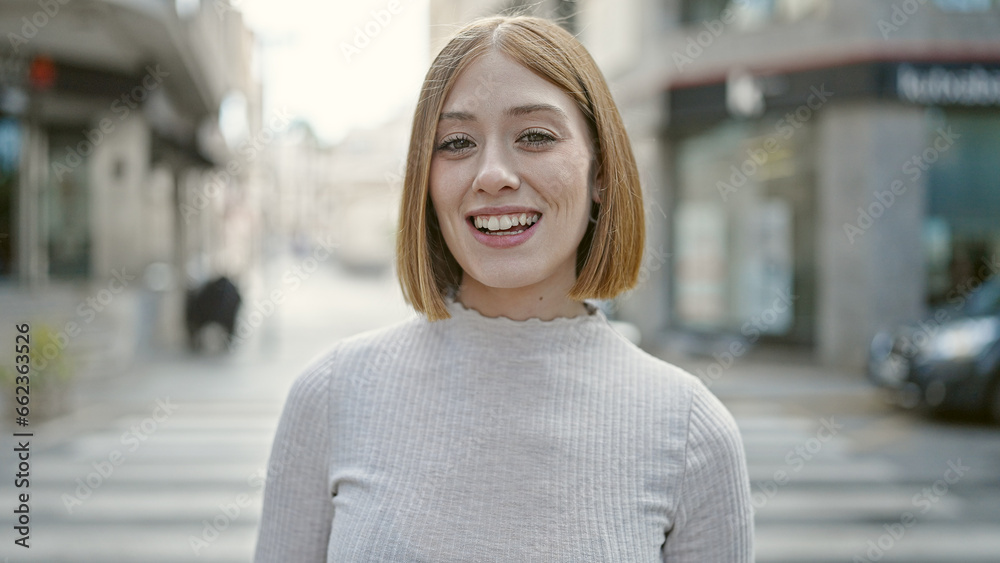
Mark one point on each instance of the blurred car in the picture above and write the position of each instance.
(948, 362)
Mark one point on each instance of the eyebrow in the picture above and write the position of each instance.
(516, 111)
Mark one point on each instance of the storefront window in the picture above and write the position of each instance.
(962, 228)
(748, 14)
(744, 231)
(964, 6)
(66, 207)
(10, 158)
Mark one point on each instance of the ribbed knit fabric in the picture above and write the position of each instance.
(488, 439)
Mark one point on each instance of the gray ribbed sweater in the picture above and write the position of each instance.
(487, 439)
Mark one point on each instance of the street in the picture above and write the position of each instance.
(167, 463)
(838, 476)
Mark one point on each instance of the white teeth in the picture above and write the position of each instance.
(504, 222)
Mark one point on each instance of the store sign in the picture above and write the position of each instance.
(947, 86)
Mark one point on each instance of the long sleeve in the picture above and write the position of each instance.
(298, 510)
(714, 518)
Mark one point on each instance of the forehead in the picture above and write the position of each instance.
(494, 82)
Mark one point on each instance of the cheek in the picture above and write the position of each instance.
(446, 199)
(444, 184)
(438, 193)
(569, 175)
(573, 194)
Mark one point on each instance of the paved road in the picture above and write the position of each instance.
(166, 465)
(838, 476)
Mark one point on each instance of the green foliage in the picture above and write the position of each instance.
(48, 361)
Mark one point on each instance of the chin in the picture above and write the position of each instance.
(512, 274)
(504, 278)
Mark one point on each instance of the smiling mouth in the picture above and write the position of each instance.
(501, 225)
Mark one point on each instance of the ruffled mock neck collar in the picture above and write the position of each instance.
(463, 314)
(470, 328)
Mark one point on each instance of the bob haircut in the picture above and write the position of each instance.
(610, 254)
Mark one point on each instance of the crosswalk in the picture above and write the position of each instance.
(821, 496)
(190, 490)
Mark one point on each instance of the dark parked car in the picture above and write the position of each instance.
(950, 361)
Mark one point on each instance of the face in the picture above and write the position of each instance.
(511, 178)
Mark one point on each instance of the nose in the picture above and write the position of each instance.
(496, 171)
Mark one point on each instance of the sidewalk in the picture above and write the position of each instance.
(783, 378)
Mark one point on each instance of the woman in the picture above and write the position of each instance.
(509, 422)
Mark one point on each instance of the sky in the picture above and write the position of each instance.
(340, 65)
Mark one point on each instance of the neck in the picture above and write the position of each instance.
(519, 304)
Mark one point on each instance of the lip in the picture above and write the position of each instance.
(503, 241)
(502, 210)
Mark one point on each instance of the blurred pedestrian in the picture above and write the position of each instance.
(509, 421)
(214, 304)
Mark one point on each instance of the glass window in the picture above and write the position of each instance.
(10, 159)
(750, 14)
(694, 11)
(66, 206)
(964, 6)
(744, 236)
(962, 228)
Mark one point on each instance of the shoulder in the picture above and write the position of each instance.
(674, 388)
(639, 364)
(361, 353)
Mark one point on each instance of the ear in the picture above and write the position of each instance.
(596, 182)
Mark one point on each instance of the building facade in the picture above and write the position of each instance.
(823, 164)
(124, 169)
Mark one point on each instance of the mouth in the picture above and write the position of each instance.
(505, 224)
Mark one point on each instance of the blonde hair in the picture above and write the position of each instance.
(610, 253)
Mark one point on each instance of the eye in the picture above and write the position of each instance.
(455, 143)
(536, 137)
